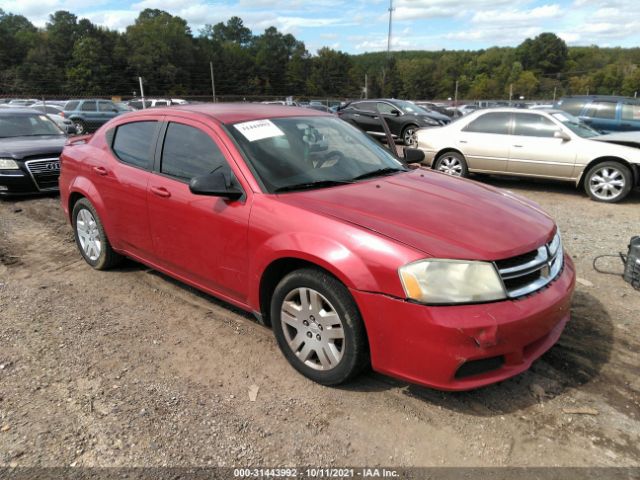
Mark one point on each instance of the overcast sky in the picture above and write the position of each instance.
(357, 26)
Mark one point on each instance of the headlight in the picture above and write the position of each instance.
(451, 281)
(8, 164)
(429, 121)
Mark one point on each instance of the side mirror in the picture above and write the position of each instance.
(395, 113)
(562, 135)
(71, 129)
(214, 185)
(413, 155)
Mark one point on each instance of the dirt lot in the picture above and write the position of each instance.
(129, 368)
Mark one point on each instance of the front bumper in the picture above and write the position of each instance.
(16, 182)
(463, 347)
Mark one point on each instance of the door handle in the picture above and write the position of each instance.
(161, 192)
(518, 146)
(100, 171)
(462, 141)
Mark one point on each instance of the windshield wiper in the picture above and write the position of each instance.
(379, 172)
(310, 185)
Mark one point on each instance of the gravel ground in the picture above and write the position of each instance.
(130, 368)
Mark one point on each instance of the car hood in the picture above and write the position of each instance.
(626, 139)
(442, 216)
(435, 115)
(20, 148)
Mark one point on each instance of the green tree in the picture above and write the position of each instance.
(547, 53)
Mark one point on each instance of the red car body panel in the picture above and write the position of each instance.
(361, 233)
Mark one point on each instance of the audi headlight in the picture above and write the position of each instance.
(438, 281)
(8, 164)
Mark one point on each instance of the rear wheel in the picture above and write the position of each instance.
(318, 327)
(608, 182)
(90, 237)
(452, 163)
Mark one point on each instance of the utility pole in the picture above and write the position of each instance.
(366, 86)
(144, 105)
(510, 93)
(635, 95)
(391, 9)
(455, 96)
(554, 94)
(213, 82)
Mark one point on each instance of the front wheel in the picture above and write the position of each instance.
(81, 127)
(318, 327)
(91, 238)
(608, 182)
(452, 163)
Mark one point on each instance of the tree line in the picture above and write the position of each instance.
(74, 57)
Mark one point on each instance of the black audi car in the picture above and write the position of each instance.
(30, 147)
(402, 117)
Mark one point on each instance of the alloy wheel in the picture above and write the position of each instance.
(410, 137)
(88, 234)
(607, 183)
(312, 328)
(450, 165)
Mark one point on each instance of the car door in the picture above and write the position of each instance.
(630, 117)
(200, 238)
(90, 115)
(393, 116)
(601, 115)
(536, 151)
(485, 142)
(122, 183)
(107, 110)
(365, 116)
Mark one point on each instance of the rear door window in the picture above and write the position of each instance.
(133, 143)
(188, 152)
(494, 122)
(88, 107)
(72, 105)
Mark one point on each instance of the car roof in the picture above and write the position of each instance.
(7, 112)
(519, 110)
(234, 112)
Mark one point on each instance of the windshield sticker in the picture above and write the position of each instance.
(258, 130)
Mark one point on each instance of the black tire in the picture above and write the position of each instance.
(452, 163)
(354, 346)
(81, 127)
(409, 138)
(107, 257)
(619, 173)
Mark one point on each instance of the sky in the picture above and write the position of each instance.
(358, 26)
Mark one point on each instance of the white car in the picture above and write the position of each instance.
(540, 143)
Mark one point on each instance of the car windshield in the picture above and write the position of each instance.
(575, 125)
(27, 126)
(409, 107)
(296, 153)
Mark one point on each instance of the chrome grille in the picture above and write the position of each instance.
(532, 271)
(44, 172)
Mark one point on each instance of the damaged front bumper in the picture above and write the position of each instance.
(462, 347)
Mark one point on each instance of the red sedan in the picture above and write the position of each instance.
(351, 257)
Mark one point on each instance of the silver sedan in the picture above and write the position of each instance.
(544, 144)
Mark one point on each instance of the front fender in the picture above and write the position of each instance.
(322, 251)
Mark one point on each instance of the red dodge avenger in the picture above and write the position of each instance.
(352, 258)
